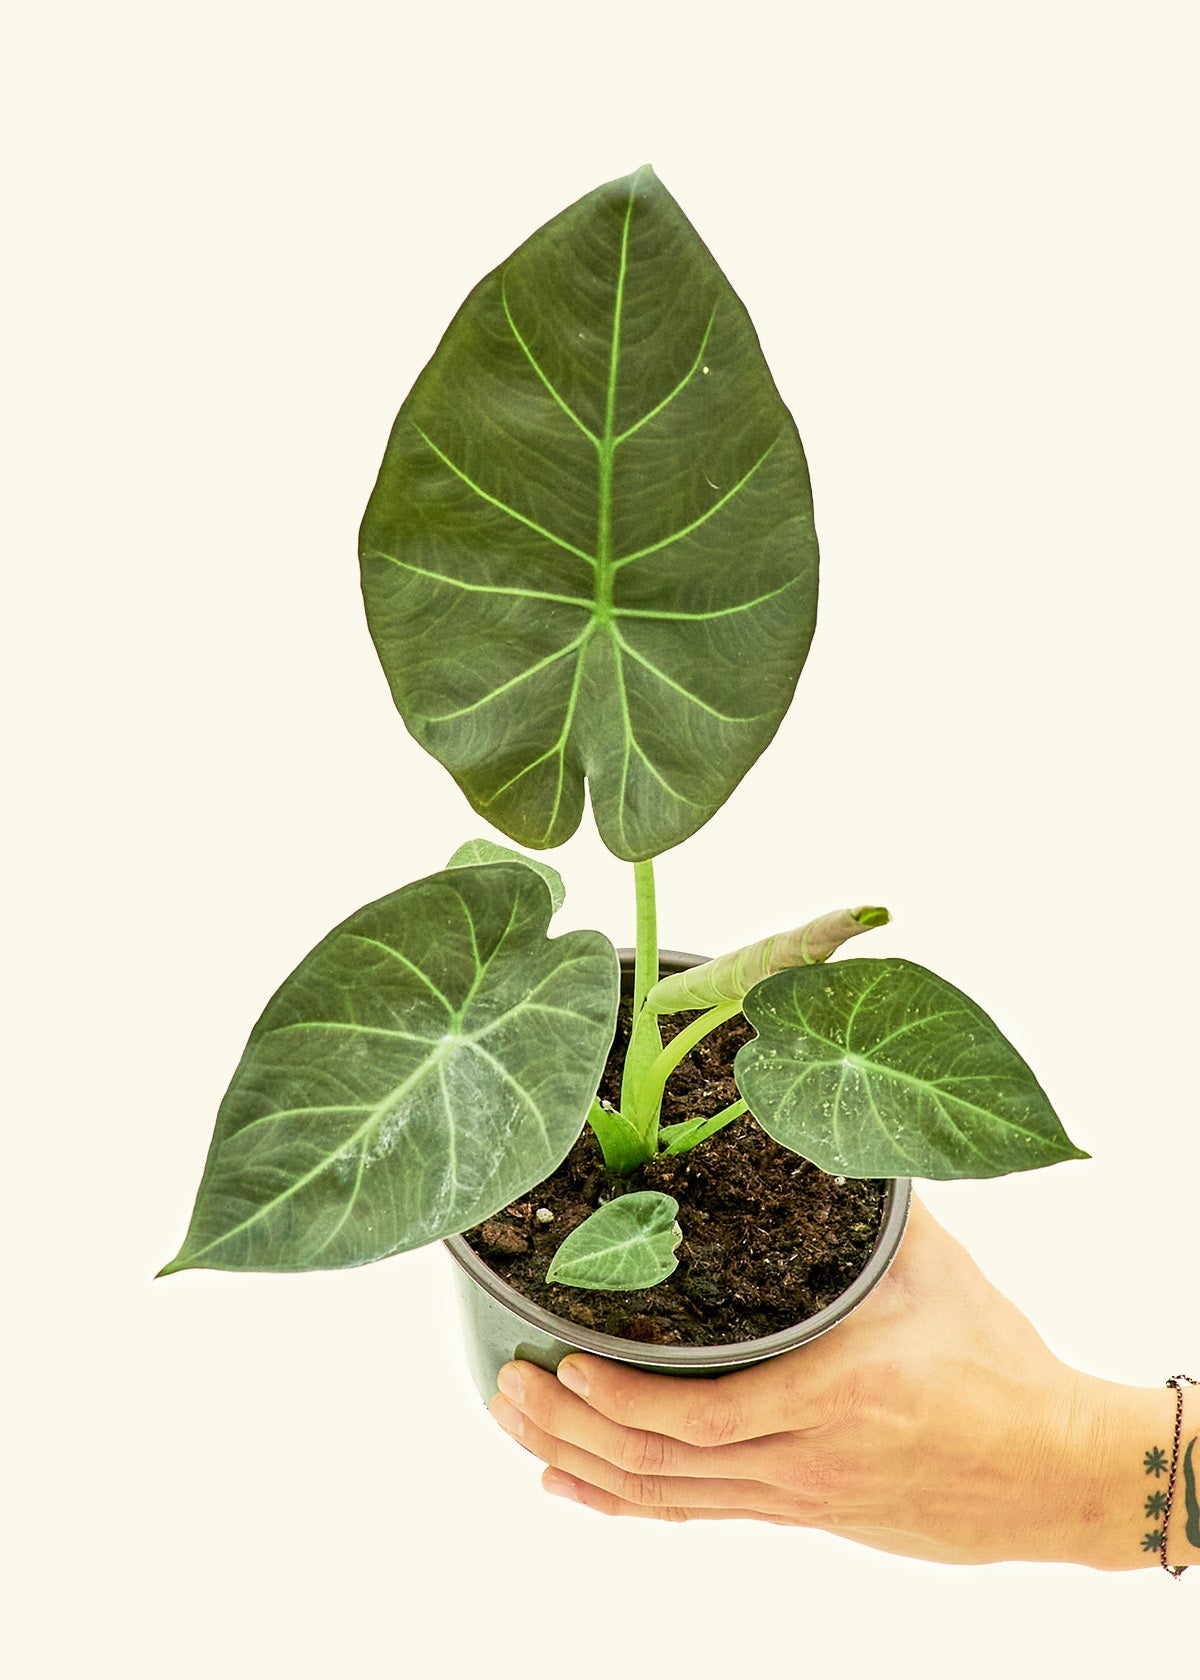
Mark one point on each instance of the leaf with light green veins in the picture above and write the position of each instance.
(876, 1068)
(433, 1058)
(629, 1243)
(487, 851)
(590, 550)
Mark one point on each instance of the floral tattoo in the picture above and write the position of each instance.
(1154, 1462)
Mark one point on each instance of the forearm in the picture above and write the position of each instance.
(1118, 1451)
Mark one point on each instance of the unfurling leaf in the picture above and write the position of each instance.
(727, 979)
(629, 1243)
(876, 1068)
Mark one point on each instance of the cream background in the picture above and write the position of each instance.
(967, 237)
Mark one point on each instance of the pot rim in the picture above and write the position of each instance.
(897, 1199)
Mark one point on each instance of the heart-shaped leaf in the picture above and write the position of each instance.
(434, 1057)
(487, 851)
(876, 1068)
(629, 1243)
(590, 551)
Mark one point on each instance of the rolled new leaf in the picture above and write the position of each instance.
(727, 979)
(629, 1243)
(876, 1068)
(434, 1057)
(590, 551)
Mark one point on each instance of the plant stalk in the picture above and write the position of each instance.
(671, 1054)
(645, 968)
(638, 1104)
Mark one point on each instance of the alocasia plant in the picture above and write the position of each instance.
(589, 558)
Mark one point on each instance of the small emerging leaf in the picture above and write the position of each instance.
(629, 1243)
(682, 1136)
(620, 1142)
(487, 851)
(686, 1134)
(876, 1068)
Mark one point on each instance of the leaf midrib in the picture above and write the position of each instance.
(606, 448)
(602, 609)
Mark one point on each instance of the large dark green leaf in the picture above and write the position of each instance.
(431, 1059)
(590, 550)
(877, 1068)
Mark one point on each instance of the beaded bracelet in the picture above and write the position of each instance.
(1175, 1382)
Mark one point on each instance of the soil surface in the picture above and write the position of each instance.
(768, 1238)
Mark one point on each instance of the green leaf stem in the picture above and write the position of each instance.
(876, 1068)
(629, 1243)
(590, 551)
(434, 1057)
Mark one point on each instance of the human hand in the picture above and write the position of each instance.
(932, 1422)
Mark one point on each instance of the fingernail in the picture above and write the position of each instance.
(510, 1382)
(508, 1417)
(572, 1377)
(562, 1487)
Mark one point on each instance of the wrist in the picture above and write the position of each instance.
(1117, 1451)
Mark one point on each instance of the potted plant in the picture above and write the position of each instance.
(589, 557)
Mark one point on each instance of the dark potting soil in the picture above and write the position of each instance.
(768, 1238)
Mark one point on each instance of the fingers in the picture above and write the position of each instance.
(651, 1494)
(795, 1392)
(717, 1427)
(597, 1499)
(556, 1411)
(705, 1412)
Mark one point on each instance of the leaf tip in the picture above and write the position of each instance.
(871, 915)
